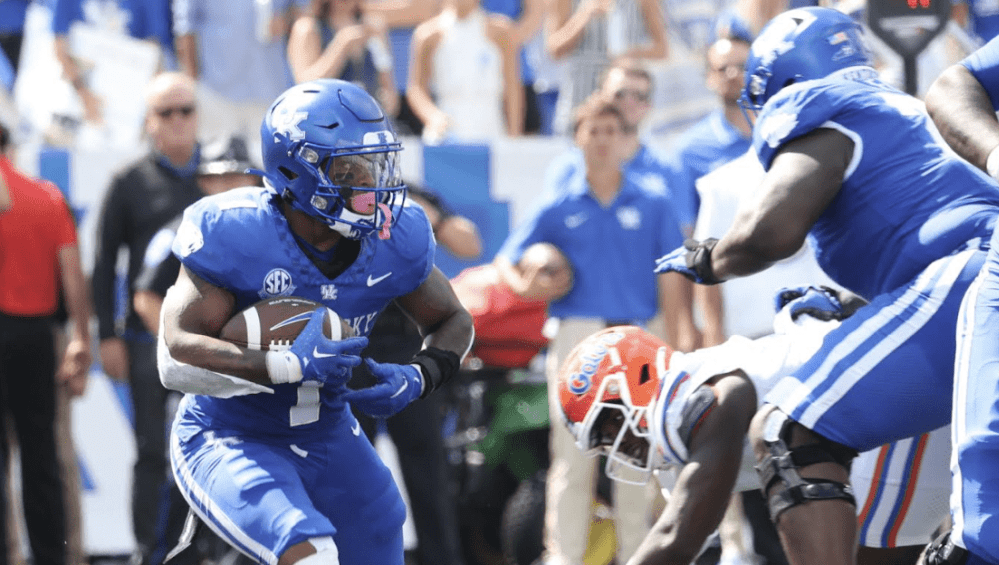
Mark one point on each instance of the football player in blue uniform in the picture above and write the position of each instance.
(264, 446)
(963, 102)
(894, 216)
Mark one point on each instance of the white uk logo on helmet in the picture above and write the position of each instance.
(286, 116)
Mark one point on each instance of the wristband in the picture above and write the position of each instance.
(283, 367)
(992, 164)
(423, 377)
(700, 259)
(437, 367)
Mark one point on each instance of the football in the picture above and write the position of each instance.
(274, 323)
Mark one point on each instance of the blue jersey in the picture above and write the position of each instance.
(240, 242)
(905, 194)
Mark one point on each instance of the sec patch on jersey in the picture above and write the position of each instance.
(274, 323)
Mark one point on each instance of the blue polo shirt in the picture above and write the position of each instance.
(646, 168)
(612, 249)
(707, 145)
(232, 62)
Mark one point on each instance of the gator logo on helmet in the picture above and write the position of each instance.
(589, 362)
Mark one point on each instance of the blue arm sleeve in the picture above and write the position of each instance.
(984, 65)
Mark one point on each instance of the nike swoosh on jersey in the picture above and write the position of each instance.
(356, 428)
(319, 355)
(374, 281)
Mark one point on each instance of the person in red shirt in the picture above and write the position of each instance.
(39, 257)
(508, 327)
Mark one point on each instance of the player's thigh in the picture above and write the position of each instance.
(891, 360)
(359, 495)
(250, 493)
(903, 490)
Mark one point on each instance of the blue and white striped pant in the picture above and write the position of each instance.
(263, 495)
(887, 372)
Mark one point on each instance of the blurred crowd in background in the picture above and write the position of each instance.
(188, 81)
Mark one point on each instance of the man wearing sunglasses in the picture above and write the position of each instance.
(143, 197)
(719, 137)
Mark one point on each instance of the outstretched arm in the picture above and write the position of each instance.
(702, 491)
(803, 179)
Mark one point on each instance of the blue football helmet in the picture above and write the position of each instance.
(330, 151)
(799, 45)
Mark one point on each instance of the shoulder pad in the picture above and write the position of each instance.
(210, 225)
(796, 111)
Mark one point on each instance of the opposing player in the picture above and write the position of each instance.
(895, 217)
(963, 102)
(685, 415)
(279, 467)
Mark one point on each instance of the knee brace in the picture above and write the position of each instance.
(782, 464)
(326, 553)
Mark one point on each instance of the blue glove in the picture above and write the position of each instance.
(323, 360)
(397, 386)
(693, 261)
(821, 303)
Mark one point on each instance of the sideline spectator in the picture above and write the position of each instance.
(464, 77)
(40, 257)
(630, 85)
(527, 16)
(140, 200)
(222, 167)
(719, 137)
(236, 52)
(145, 20)
(598, 213)
(401, 18)
(337, 39)
(587, 35)
(509, 328)
(416, 430)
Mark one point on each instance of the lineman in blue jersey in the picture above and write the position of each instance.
(264, 447)
(963, 103)
(894, 216)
